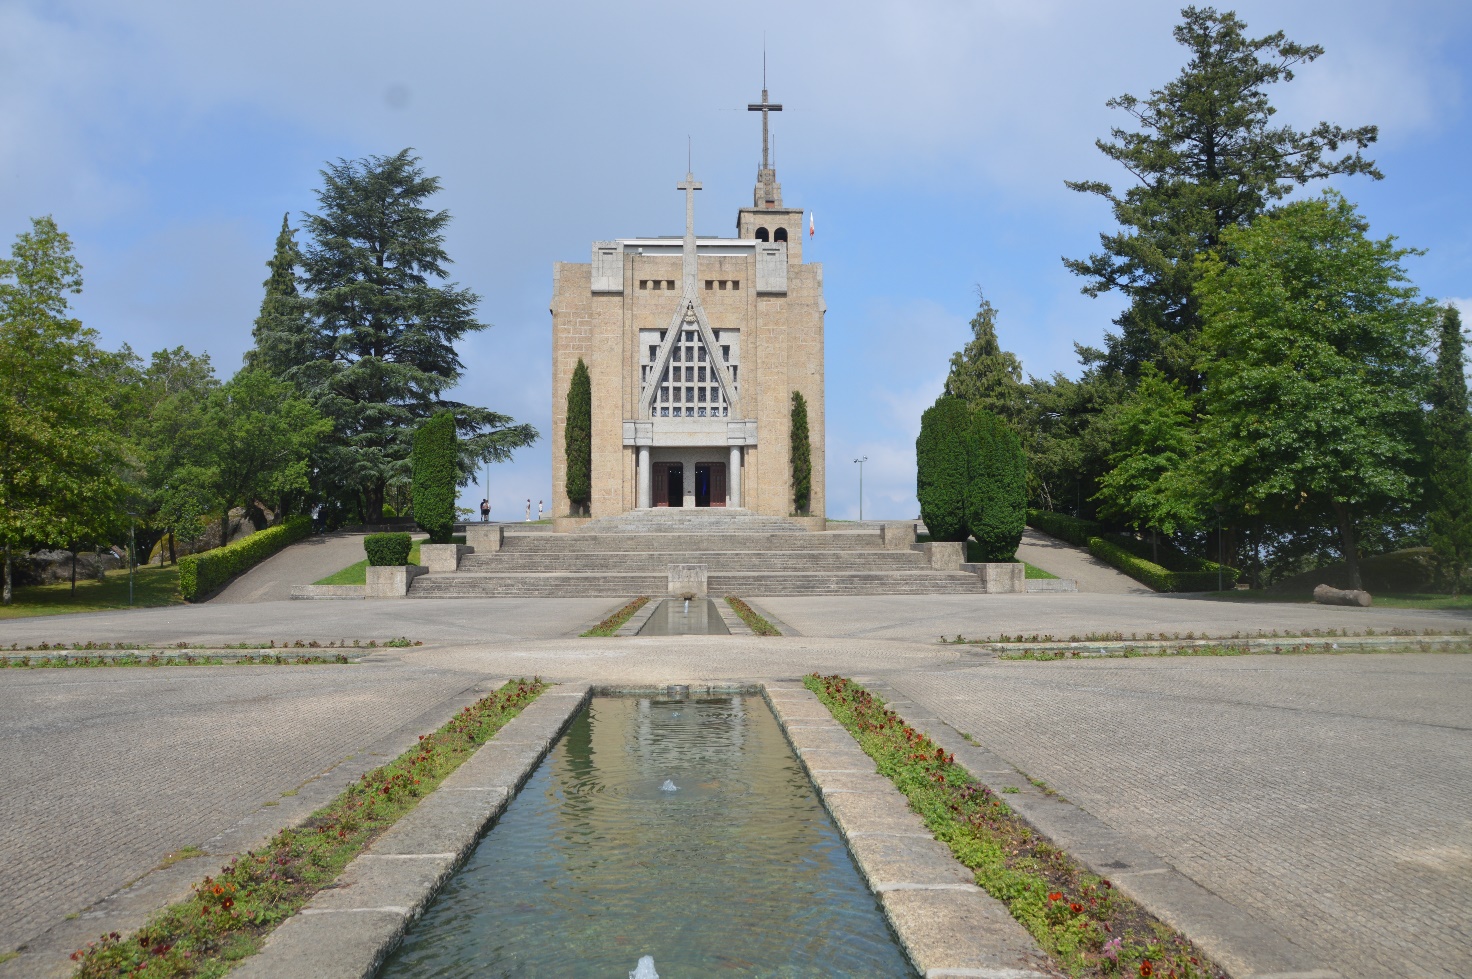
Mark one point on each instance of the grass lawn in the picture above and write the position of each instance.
(1037, 574)
(1445, 603)
(151, 587)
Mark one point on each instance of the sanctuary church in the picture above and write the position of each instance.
(694, 347)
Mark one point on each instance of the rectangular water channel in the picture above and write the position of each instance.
(685, 830)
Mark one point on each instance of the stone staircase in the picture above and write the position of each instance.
(747, 554)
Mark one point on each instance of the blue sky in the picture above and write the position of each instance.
(931, 139)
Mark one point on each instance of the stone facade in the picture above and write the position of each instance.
(694, 347)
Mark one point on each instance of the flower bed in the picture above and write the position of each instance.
(754, 622)
(230, 913)
(1076, 916)
(615, 622)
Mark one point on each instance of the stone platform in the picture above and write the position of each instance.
(745, 554)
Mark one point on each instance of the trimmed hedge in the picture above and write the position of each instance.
(1149, 573)
(1074, 530)
(942, 468)
(200, 575)
(387, 550)
(436, 460)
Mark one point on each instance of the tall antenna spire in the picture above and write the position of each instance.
(764, 107)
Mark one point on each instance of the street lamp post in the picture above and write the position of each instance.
(861, 462)
(1220, 545)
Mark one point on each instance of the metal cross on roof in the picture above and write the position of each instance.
(764, 107)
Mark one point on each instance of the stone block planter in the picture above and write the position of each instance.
(943, 555)
(483, 538)
(441, 558)
(897, 535)
(392, 582)
(1000, 579)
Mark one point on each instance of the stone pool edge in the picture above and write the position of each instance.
(347, 931)
(946, 924)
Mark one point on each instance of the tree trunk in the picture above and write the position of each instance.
(1349, 543)
(6, 598)
(225, 527)
(373, 503)
(1154, 545)
(173, 556)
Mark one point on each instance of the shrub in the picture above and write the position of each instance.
(387, 550)
(802, 456)
(996, 501)
(1203, 577)
(1074, 530)
(436, 474)
(942, 468)
(578, 439)
(200, 575)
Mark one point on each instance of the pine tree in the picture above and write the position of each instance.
(1208, 158)
(382, 352)
(578, 439)
(1449, 523)
(984, 375)
(436, 475)
(943, 460)
(802, 456)
(282, 330)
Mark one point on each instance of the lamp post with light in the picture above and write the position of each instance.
(861, 462)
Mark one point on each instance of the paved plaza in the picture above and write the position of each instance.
(1326, 796)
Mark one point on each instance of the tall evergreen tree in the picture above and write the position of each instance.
(578, 439)
(996, 500)
(382, 353)
(984, 375)
(1449, 522)
(282, 331)
(436, 475)
(802, 456)
(943, 459)
(1207, 158)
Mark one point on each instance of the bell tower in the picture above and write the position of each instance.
(766, 219)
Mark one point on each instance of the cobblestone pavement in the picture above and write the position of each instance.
(107, 771)
(926, 617)
(1328, 796)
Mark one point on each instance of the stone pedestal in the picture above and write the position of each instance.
(392, 582)
(688, 580)
(485, 537)
(944, 555)
(897, 535)
(440, 558)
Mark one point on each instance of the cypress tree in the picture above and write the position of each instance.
(996, 501)
(436, 474)
(1450, 521)
(802, 456)
(579, 439)
(943, 458)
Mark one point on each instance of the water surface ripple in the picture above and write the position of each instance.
(737, 872)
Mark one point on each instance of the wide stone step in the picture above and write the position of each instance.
(664, 543)
(716, 560)
(559, 584)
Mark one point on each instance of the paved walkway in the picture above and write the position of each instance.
(1066, 561)
(1327, 796)
(303, 563)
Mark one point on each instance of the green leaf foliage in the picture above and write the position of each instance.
(1074, 530)
(996, 500)
(802, 456)
(282, 331)
(1449, 522)
(436, 473)
(59, 454)
(1151, 485)
(1206, 156)
(943, 457)
(1314, 396)
(201, 575)
(1122, 554)
(387, 550)
(578, 438)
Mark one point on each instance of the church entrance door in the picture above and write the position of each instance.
(669, 484)
(710, 484)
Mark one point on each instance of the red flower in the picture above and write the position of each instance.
(1055, 896)
(1147, 969)
(1075, 908)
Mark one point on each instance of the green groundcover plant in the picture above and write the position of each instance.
(1078, 917)
(232, 911)
(615, 622)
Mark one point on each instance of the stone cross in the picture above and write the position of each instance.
(689, 186)
(764, 107)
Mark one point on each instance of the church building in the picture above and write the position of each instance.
(694, 347)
